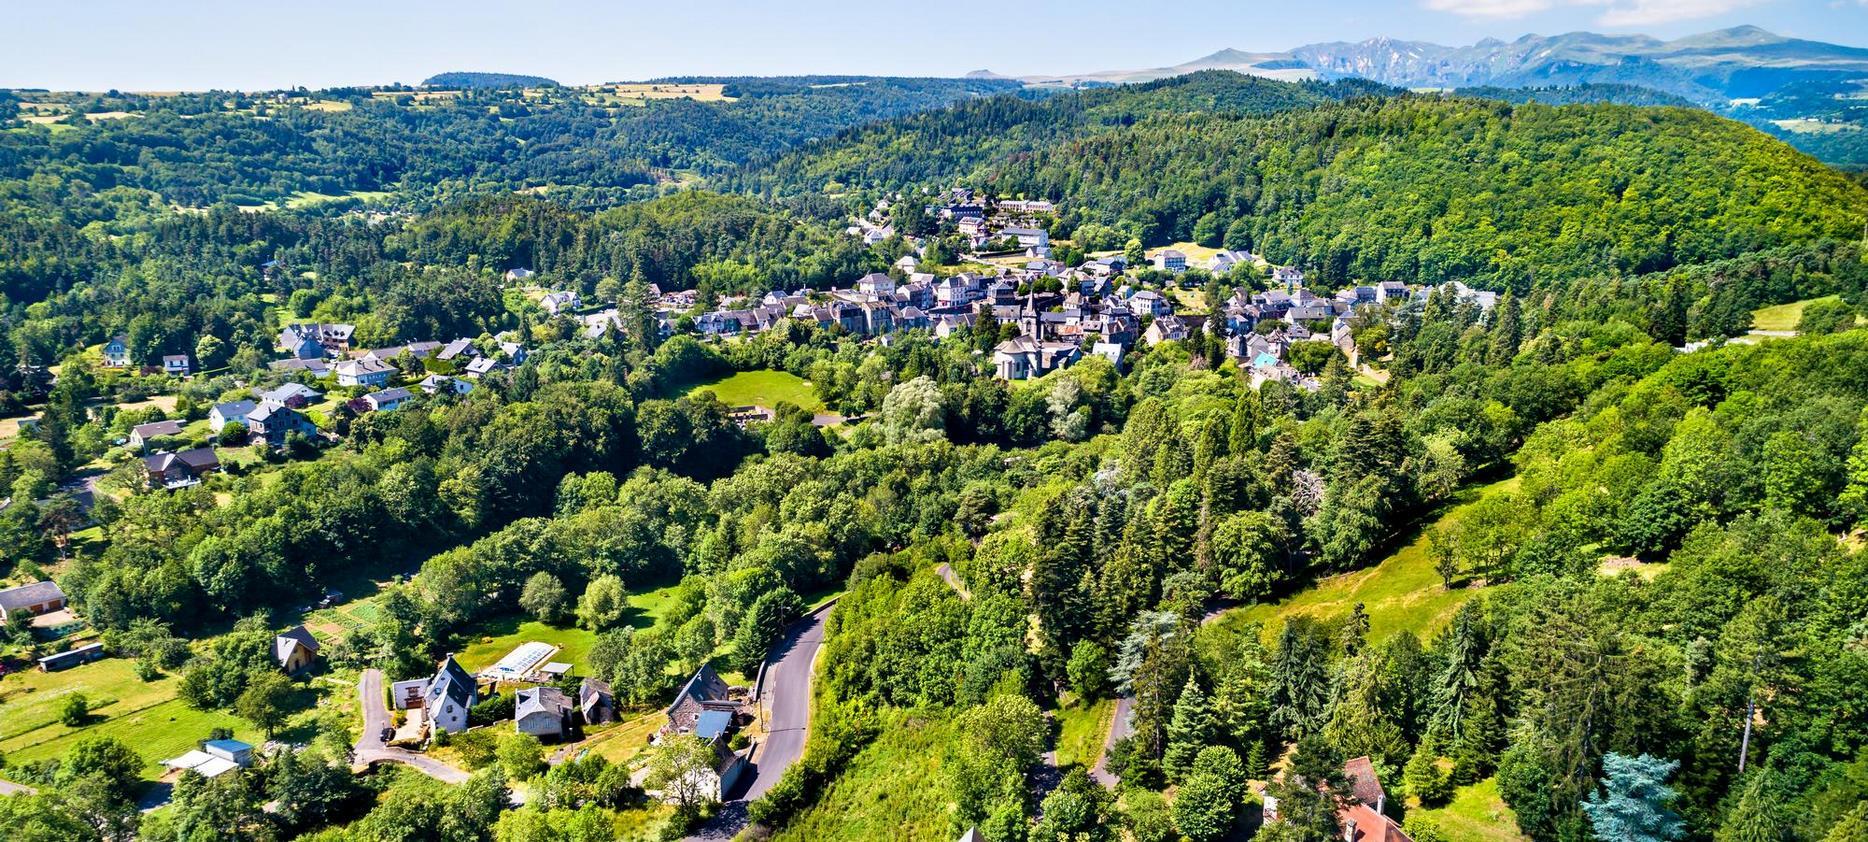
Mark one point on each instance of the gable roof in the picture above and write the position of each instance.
(1364, 785)
(235, 409)
(546, 700)
(287, 391)
(705, 686)
(293, 638)
(156, 428)
(452, 681)
(35, 593)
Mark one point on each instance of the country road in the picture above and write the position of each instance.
(786, 698)
(1120, 726)
(370, 748)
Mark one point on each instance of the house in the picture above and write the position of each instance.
(543, 712)
(176, 364)
(294, 395)
(388, 399)
(450, 693)
(1028, 238)
(595, 702)
(72, 657)
(1023, 357)
(1360, 816)
(175, 470)
(142, 433)
(1147, 302)
(703, 692)
(231, 412)
(458, 348)
(312, 340)
(364, 372)
(1170, 260)
(875, 283)
(273, 422)
(519, 274)
(559, 302)
(30, 600)
(1165, 329)
(295, 650)
(483, 366)
(1289, 277)
(117, 352)
(1110, 351)
(314, 367)
(1224, 260)
(437, 383)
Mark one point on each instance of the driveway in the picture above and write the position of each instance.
(370, 748)
(11, 788)
(785, 699)
(1120, 726)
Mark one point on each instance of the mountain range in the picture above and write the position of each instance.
(1712, 67)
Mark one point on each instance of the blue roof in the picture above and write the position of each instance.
(233, 746)
(712, 723)
(1265, 360)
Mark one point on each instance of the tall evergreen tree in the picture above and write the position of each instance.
(1192, 728)
(1633, 804)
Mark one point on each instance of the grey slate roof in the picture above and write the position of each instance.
(36, 593)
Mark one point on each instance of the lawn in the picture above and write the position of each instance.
(1402, 593)
(892, 789)
(761, 388)
(1783, 316)
(145, 715)
(1081, 732)
(500, 636)
(622, 743)
(1476, 814)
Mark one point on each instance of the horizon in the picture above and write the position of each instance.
(132, 47)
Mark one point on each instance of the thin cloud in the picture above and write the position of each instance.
(1614, 12)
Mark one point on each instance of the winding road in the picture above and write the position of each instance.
(785, 699)
(370, 748)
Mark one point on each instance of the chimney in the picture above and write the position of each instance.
(1380, 801)
(1349, 830)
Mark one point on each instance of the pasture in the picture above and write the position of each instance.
(762, 388)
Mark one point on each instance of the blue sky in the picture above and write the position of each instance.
(259, 44)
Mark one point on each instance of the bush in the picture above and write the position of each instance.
(75, 711)
(490, 710)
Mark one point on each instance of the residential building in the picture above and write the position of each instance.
(705, 691)
(294, 395)
(273, 422)
(555, 303)
(142, 433)
(1165, 329)
(30, 600)
(364, 372)
(313, 340)
(437, 383)
(595, 703)
(543, 712)
(175, 470)
(519, 274)
(117, 352)
(231, 412)
(483, 366)
(450, 693)
(295, 650)
(176, 364)
(388, 400)
(1023, 357)
(1171, 260)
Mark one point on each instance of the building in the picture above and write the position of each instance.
(176, 364)
(30, 600)
(388, 400)
(1361, 816)
(72, 657)
(231, 412)
(311, 341)
(437, 383)
(543, 712)
(555, 303)
(483, 366)
(450, 694)
(1171, 260)
(1165, 329)
(364, 372)
(1023, 357)
(294, 395)
(595, 702)
(295, 650)
(176, 470)
(213, 759)
(117, 352)
(703, 692)
(519, 274)
(141, 434)
(273, 422)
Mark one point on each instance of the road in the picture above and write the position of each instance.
(370, 749)
(11, 788)
(786, 699)
(1120, 726)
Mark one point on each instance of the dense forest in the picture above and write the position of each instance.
(1646, 560)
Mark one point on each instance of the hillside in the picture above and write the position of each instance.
(475, 79)
(1426, 189)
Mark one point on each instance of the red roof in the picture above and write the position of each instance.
(1363, 783)
(1370, 826)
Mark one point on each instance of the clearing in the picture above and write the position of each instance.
(761, 388)
(145, 715)
(498, 637)
(892, 789)
(1402, 593)
(1784, 316)
(1476, 814)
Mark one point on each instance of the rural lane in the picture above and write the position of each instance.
(786, 700)
(1120, 726)
(370, 748)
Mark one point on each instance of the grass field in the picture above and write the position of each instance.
(892, 789)
(1476, 814)
(622, 743)
(763, 388)
(145, 715)
(1783, 316)
(1081, 730)
(1402, 593)
(500, 636)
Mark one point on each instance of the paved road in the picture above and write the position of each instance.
(1120, 726)
(952, 579)
(370, 749)
(11, 788)
(786, 697)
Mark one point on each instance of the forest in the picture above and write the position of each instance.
(1649, 551)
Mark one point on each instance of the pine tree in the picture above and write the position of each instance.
(1507, 330)
(1423, 778)
(1191, 729)
(1243, 434)
(1760, 814)
(1300, 682)
(1633, 802)
(1465, 648)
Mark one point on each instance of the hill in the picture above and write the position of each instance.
(474, 79)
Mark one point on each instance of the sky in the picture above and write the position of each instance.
(139, 45)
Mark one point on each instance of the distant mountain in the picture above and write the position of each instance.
(472, 79)
(1742, 62)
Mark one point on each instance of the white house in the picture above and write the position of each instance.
(388, 400)
(543, 712)
(176, 364)
(450, 693)
(231, 412)
(364, 372)
(117, 352)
